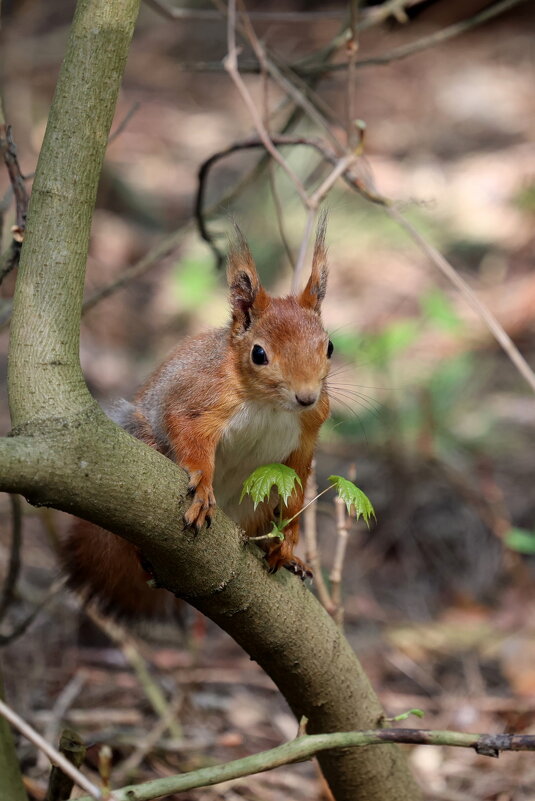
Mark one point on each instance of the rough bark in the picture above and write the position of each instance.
(65, 453)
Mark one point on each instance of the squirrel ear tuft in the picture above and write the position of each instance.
(314, 292)
(247, 295)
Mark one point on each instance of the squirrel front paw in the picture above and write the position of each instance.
(282, 556)
(203, 501)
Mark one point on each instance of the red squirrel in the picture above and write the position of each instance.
(224, 403)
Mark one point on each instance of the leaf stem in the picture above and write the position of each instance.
(310, 503)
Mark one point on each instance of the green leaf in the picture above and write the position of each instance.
(518, 539)
(353, 498)
(404, 715)
(263, 479)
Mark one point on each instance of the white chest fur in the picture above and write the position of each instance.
(258, 434)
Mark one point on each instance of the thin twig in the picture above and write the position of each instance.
(301, 256)
(255, 44)
(424, 43)
(8, 590)
(124, 122)
(438, 37)
(501, 336)
(8, 151)
(152, 690)
(352, 47)
(156, 254)
(349, 176)
(311, 540)
(59, 711)
(52, 753)
(147, 743)
(342, 166)
(342, 531)
(20, 629)
(231, 65)
(295, 87)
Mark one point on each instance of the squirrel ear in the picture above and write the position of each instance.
(247, 296)
(314, 292)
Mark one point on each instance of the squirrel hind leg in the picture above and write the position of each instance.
(105, 569)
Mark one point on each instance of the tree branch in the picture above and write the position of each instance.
(52, 753)
(307, 746)
(396, 54)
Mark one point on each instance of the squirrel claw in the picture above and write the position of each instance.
(299, 569)
(199, 511)
(278, 558)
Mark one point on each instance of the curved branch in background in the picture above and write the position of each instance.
(252, 142)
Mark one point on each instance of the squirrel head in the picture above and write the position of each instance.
(281, 348)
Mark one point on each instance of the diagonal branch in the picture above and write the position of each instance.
(500, 335)
(52, 753)
(231, 65)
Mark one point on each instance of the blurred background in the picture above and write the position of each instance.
(429, 414)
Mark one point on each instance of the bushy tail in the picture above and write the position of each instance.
(106, 569)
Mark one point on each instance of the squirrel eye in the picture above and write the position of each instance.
(330, 348)
(258, 355)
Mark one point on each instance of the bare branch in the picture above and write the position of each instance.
(306, 746)
(21, 628)
(342, 530)
(8, 152)
(231, 65)
(311, 540)
(438, 37)
(134, 108)
(58, 713)
(498, 332)
(52, 753)
(352, 180)
(424, 43)
(352, 47)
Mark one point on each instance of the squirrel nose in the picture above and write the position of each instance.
(306, 399)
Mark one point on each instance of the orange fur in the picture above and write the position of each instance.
(220, 412)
